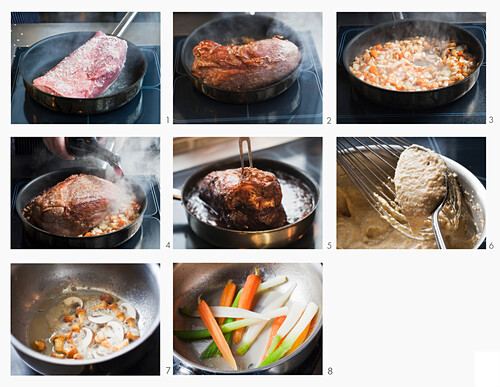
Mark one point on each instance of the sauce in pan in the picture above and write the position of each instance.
(298, 201)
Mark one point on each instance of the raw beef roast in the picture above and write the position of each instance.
(247, 67)
(75, 205)
(248, 201)
(89, 70)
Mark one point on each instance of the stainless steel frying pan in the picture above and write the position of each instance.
(227, 238)
(191, 280)
(32, 284)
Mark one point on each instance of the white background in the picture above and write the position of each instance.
(391, 318)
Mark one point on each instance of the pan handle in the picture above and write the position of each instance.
(177, 194)
(398, 16)
(124, 23)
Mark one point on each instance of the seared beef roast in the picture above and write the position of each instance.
(75, 205)
(244, 201)
(246, 67)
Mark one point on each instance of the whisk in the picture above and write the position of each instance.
(370, 163)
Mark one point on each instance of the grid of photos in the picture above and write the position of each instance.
(265, 261)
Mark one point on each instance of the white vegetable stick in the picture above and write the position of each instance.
(283, 311)
(275, 281)
(254, 331)
(290, 321)
(227, 311)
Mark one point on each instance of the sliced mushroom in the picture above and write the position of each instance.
(85, 338)
(100, 318)
(73, 301)
(129, 310)
(114, 332)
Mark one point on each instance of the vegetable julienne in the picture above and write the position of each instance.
(212, 349)
(216, 333)
(274, 329)
(227, 298)
(294, 334)
(254, 331)
(249, 290)
(293, 324)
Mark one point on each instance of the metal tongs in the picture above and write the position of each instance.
(241, 140)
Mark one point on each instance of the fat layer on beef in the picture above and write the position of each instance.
(244, 201)
(89, 70)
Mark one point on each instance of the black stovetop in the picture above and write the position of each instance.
(305, 154)
(302, 103)
(355, 108)
(143, 109)
(147, 237)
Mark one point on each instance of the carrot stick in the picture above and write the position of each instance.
(227, 298)
(209, 321)
(274, 329)
(300, 339)
(247, 296)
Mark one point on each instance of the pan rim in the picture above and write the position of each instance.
(419, 92)
(287, 77)
(257, 232)
(101, 97)
(89, 171)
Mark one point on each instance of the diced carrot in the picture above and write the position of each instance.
(373, 53)
(227, 298)
(373, 70)
(214, 329)
(251, 285)
(278, 321)
(460, 53)
(379, 47)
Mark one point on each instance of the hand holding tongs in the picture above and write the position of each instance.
(242, 159)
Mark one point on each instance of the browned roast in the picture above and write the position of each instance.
(248, 201)
(246, 67)
(75, 205)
